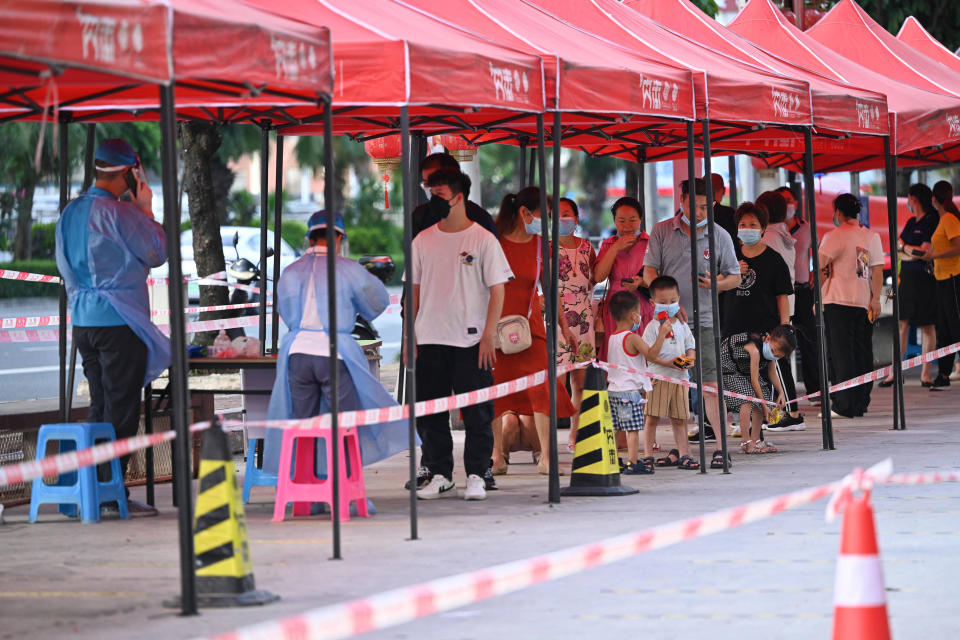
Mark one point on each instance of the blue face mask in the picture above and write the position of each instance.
(635, 327)
(768, 352)
(749, 236)
(533, 227)
(671, 309)
(567, 225)
(700, 225)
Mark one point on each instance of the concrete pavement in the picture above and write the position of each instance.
(771, 579)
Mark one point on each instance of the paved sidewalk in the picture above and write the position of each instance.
(771, 579)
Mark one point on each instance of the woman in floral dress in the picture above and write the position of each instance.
(576, 300)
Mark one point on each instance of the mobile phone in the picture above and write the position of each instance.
(918, 252)
(626, 281)
(131, 182)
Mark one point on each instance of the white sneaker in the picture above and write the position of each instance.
(475, 488)
(439, 487)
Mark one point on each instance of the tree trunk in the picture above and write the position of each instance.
(23, 241)
(200, 141)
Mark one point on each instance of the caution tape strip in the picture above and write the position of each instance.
(26, 276)
(32, 322)
(402, 605)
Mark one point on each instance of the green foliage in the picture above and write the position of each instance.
(499, 166)
(44, 241)
(19, 289)
(709, 7)
(940, 17)
(237, 140)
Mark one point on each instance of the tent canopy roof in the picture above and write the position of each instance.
(913, 34)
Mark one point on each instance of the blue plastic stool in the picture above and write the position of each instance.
(253, 475)
(78, 489)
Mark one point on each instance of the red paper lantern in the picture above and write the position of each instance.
(385, 153)
(458, 147)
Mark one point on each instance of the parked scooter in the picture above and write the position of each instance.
(248, 274)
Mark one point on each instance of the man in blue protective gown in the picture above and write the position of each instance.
(105, 249)
(302, 384)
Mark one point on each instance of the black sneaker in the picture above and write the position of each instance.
(940, 381)
(708, 434)
(789, 423)
(488, 480)
(423, 478)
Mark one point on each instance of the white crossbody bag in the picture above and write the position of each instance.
(513, 331)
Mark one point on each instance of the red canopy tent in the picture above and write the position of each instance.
(81, 50)
(848, 30)
(920, 121)
(913, 34)
(839, 108)
(110, 56)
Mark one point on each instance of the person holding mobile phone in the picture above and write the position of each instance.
(105, 250)
(620, 263)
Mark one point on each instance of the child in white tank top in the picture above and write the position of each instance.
(626, 348)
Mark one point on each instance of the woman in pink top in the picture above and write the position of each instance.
(621, 260)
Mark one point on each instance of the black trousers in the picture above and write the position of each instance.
(850, 343)
(114, 364)
(442, 371)
(806, 324)
(948, 320)
(309, 378)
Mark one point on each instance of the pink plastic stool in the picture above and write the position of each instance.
(305, 487)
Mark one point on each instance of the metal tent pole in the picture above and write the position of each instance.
(89, 171)
(62, 166)
(732, 170)
(714, 298)
(694, 274)
(277, 220)
(553, 492)
(523, 164)
(264, 214)
(810, 204)
(409, 337)
(333, 401)
(178, 348)
(642, 186)
(899, 411)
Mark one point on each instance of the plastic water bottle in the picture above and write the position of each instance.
(220, 345)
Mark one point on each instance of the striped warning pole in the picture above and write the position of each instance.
(596, 470)
(860, 603)
(223, 565)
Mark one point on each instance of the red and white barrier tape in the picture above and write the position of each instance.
(236, 285)
(25, 276)
(30, 322)
(220, 275)
(220, 307)
(423, 408)
(29, 335)
(417, 601)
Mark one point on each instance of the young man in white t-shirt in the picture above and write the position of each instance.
(851, 258)
(458, 272)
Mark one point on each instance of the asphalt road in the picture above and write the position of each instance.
(28, 370)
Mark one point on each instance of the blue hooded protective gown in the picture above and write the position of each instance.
(105, 250)
(358, 292)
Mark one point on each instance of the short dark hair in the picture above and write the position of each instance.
(749, 208)
(787, 334)
(699, 187)
(782, 190)
(622, 303)
(848, 204)
(663, 283)
(775, 205)
(627, 201)
(573, 206)
(439, 160)
(452, 178)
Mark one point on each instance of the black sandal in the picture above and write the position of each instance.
(648, 462)
(672, 459)
(638, 469)
(687, 462)
(716, 462)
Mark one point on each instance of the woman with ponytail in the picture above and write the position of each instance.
(518, 225)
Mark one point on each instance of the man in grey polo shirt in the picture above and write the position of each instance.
(668, 254)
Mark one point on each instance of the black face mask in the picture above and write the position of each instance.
(439, 206)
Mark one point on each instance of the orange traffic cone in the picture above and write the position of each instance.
(859, 597)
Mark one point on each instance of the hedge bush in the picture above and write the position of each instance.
(20, 289)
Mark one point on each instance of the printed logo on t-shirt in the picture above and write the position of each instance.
(746, 283)
(863, 264)
(467, 259)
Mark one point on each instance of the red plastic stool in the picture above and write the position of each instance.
(306, 487)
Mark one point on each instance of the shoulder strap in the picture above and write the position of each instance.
(536, 279)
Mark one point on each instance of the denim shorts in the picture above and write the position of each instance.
(626, 408)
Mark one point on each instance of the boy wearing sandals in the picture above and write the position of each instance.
(627, 390)
(669, 400)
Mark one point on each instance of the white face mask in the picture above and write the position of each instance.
(791, 210)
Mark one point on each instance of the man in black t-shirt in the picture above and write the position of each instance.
(722, 214)
(424, 218)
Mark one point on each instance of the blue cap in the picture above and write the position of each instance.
(319, 221)
(116, 152)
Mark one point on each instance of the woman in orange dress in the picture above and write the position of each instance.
(518, 225)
